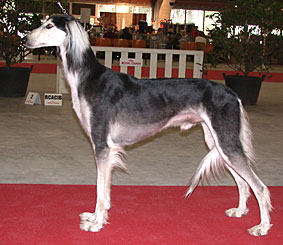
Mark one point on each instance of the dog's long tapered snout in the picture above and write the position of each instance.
(24, 40)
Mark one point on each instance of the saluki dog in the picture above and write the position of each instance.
(117, 110)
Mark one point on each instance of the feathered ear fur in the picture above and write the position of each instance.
(77, 45)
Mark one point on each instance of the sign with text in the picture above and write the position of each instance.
(53, 99)
(33, 98)
(131, 62)
(85, 15)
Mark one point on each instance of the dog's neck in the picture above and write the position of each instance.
(78, 62)
(72, 79)
(70, 71)
(74, 71)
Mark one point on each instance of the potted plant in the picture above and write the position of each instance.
(243, 38)
(16, 19)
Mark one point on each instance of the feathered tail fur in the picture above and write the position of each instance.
(214, 164)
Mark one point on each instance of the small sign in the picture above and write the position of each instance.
(53, 99)
(33, 98)
(131, 62)
(85, 15)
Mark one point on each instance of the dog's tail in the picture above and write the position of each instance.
(211, 163)
(215, 164)
(246, 136)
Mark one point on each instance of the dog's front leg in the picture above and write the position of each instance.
(95, 221)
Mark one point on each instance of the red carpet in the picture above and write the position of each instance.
(49, 214)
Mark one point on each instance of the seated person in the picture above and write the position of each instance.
(126, 34)
(169, 44)
(110, 33)
(195, 32)
(176, 41)
(200, 39)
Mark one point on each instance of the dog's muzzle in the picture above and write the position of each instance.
(24, 40)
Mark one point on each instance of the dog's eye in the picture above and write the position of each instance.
(49, 26)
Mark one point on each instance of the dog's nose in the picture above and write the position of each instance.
(24, 40)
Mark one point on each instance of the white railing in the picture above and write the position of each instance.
(197, 65)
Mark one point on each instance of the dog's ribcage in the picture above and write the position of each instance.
(144, 114)
(145, 107)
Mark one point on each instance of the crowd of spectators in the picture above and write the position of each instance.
(156, 39)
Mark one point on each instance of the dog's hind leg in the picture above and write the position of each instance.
(105, 162)
(237, 153)
(241, 184)
(243, 187)
(240, 165)
(244, 194)
(231, 145)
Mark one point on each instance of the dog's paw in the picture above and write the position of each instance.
(93, 221)
(236, 212)
(90, 226)
(260, 230)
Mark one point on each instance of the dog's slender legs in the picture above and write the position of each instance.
(244, 194)
(241, 167)
(95, 221)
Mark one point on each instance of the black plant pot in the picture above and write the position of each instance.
(247, 87)
(14, 81)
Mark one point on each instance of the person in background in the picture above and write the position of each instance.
(201, 39)
(110, 33)
(159, 33)
(126, 34)
(195, 32)
(176, 41)
(168, 44)
(159, 38)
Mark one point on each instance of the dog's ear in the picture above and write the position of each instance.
(78, 43)
(61, 21)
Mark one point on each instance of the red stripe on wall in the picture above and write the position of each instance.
(38, 68)
(211, 74)
(217, 75)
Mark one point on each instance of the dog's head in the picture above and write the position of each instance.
(55, 31)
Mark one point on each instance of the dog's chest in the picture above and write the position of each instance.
(82, 109)
(85, 115)
(80, 105)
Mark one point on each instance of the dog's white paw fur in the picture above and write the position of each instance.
(93, 222)
(260, 230)
(90, 226)
(236, 212)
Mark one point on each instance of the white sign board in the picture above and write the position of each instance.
(33, 98)
(131, 62)
(85, 15)
(53, 99)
